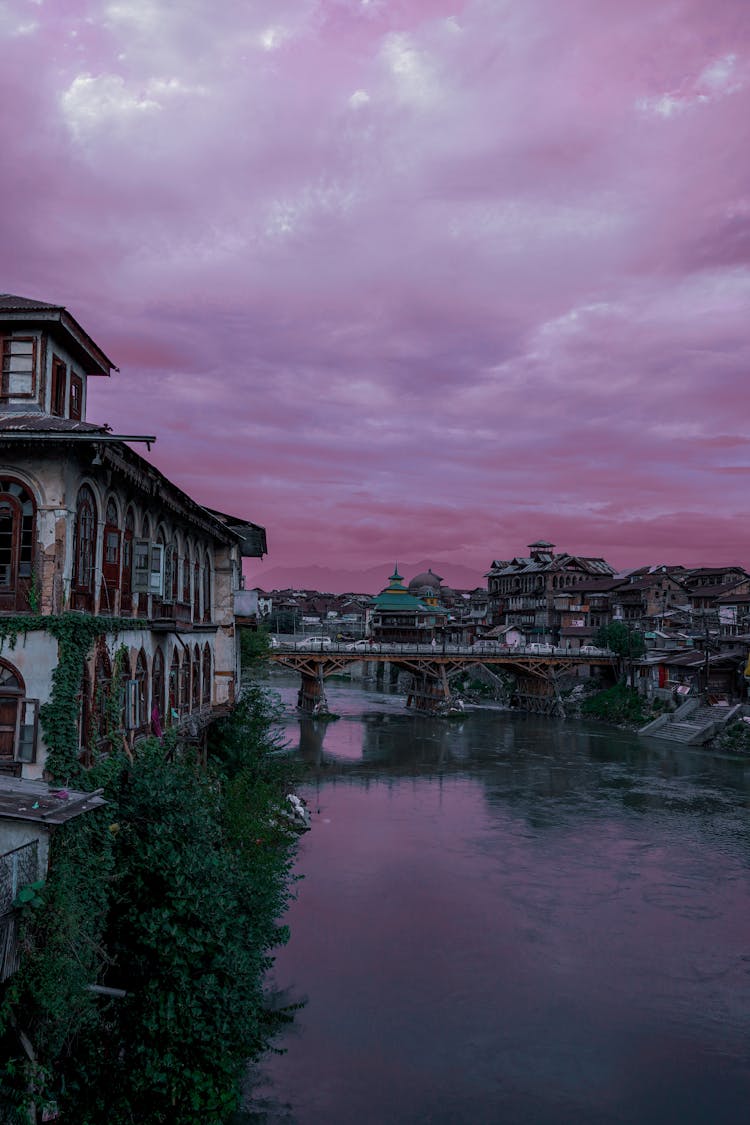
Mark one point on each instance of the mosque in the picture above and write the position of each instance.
(411, 614)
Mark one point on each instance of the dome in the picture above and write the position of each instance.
(426, 579)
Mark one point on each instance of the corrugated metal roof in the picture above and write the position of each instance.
(10, 301)
(45, 423)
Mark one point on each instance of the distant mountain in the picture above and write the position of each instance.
(331, 580)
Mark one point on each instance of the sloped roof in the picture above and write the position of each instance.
(28, 310)
(46, 424)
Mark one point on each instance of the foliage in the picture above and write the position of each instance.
(618, 704)
(76, 634)
(621, 639)
(734, 738)
(254, 645)
(172, 892)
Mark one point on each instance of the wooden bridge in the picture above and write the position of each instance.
(431, 669)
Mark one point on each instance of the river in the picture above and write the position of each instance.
(510, 919)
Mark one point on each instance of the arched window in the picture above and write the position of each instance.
(207, 677)
(126, 593)
(139, 704)
(196, 590)
(102, 691)
(185, 673)
(16, 545)
(174, 687)
(111, 557)
(11, 695)
(196, 697)
(207, 589)
(84, 552)
(186, 574)
(157, 691)
(158, 576)
(170, 573)
(174, 586)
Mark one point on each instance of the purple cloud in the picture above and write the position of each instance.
(395, 279)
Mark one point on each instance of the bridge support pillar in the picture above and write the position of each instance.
(539, 696)
(311, 698)
(429, 693)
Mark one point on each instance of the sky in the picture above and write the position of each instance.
(404, 278)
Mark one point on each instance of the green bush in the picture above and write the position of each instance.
(619, 704)
(172, 892)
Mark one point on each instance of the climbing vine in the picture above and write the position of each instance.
(76, 634)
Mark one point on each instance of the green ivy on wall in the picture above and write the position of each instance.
(76, 634)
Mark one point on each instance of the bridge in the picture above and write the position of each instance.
(431, 669)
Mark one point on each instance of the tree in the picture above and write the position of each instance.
(624, 641)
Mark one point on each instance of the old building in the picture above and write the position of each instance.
(397, 616)
(523, 592)
(88, 525)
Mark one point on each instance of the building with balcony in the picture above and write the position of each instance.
(88, 525)
(527, 590)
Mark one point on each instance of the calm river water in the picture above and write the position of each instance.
(512, 920)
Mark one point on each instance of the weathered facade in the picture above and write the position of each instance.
(524, 591)
(89, 525)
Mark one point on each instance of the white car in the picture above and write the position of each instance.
(313, 643)
(364, 644)
(540, 649)
(592, 650)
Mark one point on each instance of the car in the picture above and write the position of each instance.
(313, 642)
(362, 645)
(540, 649)
(592, 650)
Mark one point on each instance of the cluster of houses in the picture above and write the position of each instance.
(695, 621)
(90, 526)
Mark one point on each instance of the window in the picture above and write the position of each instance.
(207, 590)
(18, 718)
(186, 571)
(111, 557)
(84, 555)
(196, 696)
(126, 592)
(57, 396)
(19, 367)
(16, 542)
(174, 687)
(185, 683)
(136, 713)
(148, 567)
(170, 573)
(206, 693)
(157, 690)
(76, 397)
(156, 569)
(102, 689)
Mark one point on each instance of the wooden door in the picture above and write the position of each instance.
(8, 727)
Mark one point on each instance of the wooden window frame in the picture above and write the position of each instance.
(7, 342)
(58, 387)
(75, 397)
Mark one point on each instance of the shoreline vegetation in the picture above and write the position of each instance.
(169, 896)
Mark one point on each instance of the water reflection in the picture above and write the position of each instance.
(511, 919)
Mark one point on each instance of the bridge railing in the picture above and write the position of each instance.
(480, 650)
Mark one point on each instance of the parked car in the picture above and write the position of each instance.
(313, 642)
